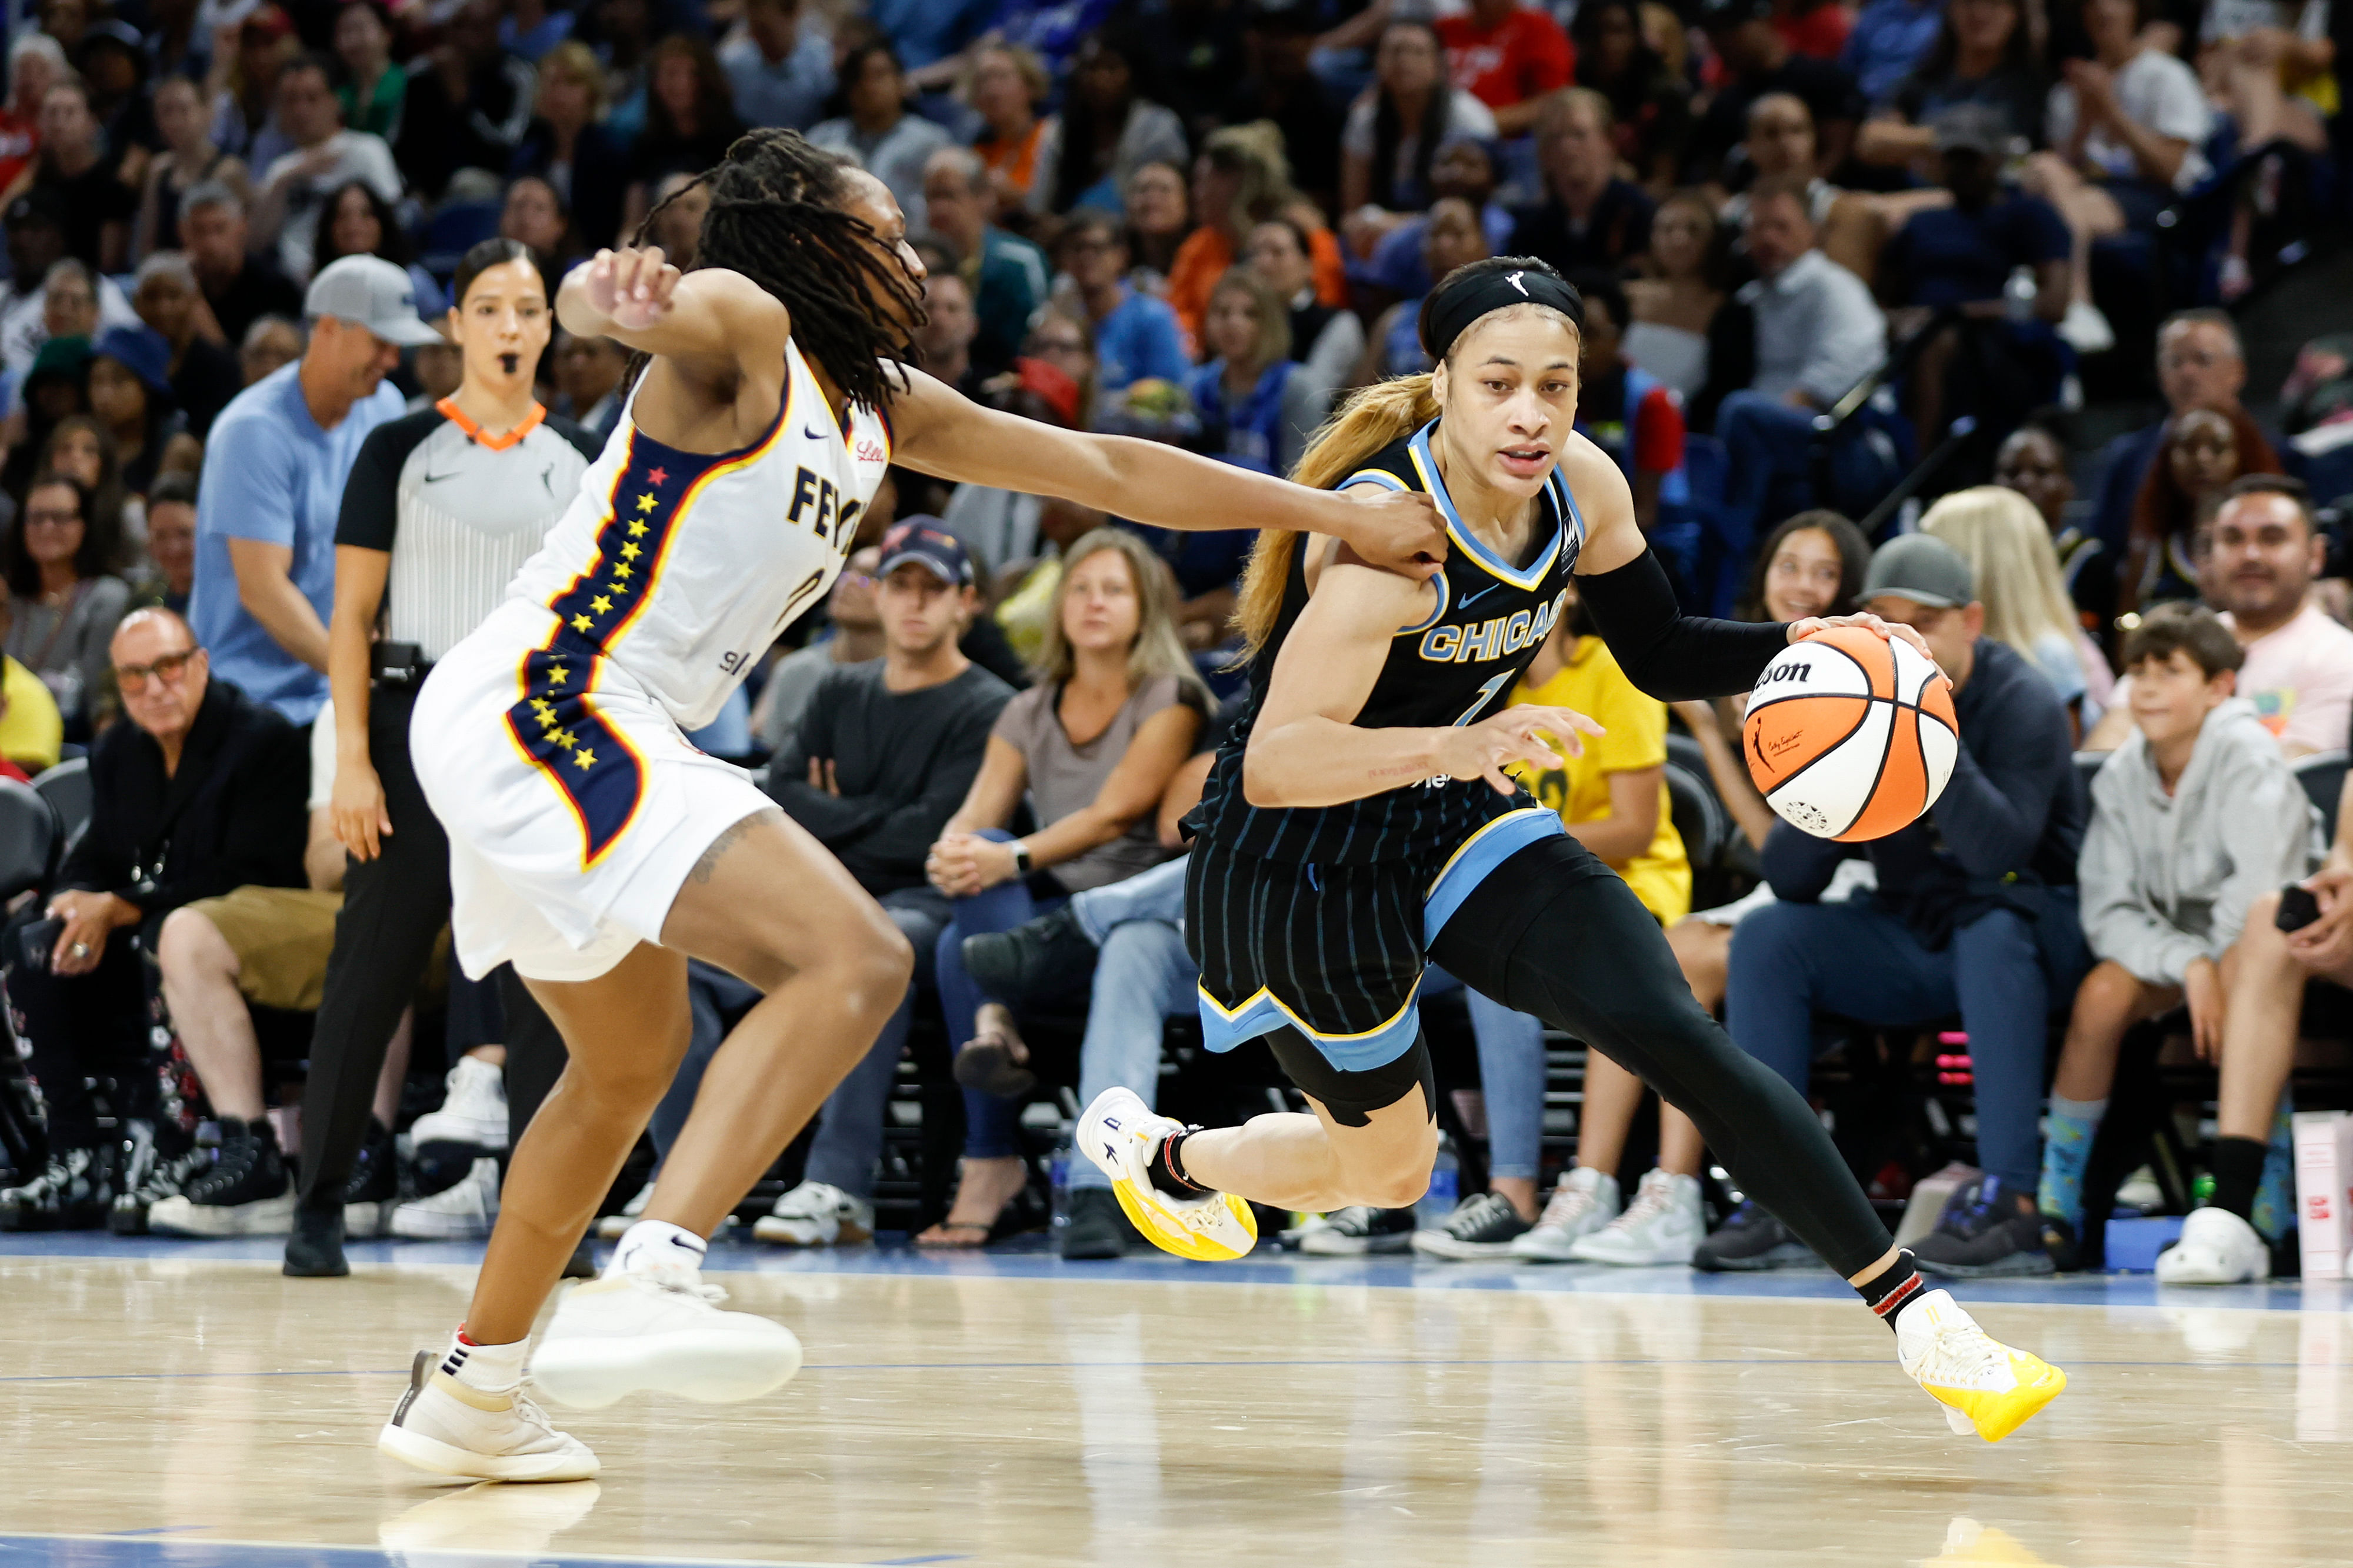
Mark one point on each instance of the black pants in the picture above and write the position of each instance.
(75, 1027)
(1555, 932)
(393, 909)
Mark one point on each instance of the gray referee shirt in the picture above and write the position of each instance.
(458, 516)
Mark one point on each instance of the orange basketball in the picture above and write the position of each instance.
(1850, 735)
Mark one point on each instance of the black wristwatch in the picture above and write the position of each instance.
(1020, 858)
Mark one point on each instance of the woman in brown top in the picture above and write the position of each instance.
(1092, 745)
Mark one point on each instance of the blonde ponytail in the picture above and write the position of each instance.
(1367, 422)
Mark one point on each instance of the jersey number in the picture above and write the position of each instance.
(1486, 695)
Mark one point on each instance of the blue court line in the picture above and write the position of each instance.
(1243, 1363)
(116, 1552)
(1033, 1258)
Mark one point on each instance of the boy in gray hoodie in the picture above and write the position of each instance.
(2194, 819)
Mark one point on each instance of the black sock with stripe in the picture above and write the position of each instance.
(1168, 1167)
(1892, 1289)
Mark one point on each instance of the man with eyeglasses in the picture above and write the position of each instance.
(199, 794)
(2199, 365)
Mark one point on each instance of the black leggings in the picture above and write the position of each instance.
(1555, 932)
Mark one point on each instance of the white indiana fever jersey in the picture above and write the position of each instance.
(682, 567)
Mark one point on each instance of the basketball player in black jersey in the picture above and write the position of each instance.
(1359, 824)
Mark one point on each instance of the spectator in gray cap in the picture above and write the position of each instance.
(273, 485)
(1975, 914)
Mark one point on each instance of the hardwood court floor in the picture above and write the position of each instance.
(188, 1410)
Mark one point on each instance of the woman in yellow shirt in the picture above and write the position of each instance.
(1613, 799)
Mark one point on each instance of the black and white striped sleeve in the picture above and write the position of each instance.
(370, 516)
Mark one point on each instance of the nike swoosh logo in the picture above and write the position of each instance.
(814, 434)
(1469, 599)
(437, 478)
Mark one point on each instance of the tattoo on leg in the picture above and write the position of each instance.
(709, 863)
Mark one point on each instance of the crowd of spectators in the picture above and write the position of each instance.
(1815, 241)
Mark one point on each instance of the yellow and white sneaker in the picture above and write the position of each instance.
(452, 1428)
(1119, 1132)
(1985, 1386)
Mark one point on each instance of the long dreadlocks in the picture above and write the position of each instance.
(776, 218)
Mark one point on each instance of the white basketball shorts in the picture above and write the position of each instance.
(576, 808)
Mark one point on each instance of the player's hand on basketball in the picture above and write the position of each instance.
(358, 810)
(1397, 530)
(631, 288)
(2201, 987)
(1484, 749)
(1800, 630)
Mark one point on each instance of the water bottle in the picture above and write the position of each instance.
(2018, 294)
(1057, 1180)
(1445, 1176)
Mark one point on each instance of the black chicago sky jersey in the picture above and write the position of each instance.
(1455, 668)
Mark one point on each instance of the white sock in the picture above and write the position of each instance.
(655, 1243)
(494, 1369)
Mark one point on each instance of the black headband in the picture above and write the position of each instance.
(1452, 311)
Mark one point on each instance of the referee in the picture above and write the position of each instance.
(442, 508)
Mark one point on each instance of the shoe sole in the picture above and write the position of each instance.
(1677, 1260)
(2016, 1266)
(1440, 1245)
(711, 1369)
(779, 1233)
(439, 1458)
(1787, 1255)
(440, 1230)
(1355, 1246)
(207, 1221)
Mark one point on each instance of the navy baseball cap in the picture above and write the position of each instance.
(933, 547)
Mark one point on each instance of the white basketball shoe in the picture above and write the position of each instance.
(1663, 1225)
(452, 1428)
(2216, 1248)
(650, 1324)
(1985, 1386)
(816, 1214)
(1584, 1202)
(1120, 1133)
(474, 1113)
(464, 1212)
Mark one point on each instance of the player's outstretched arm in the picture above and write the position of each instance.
(1671, 656)
(941, 432)
(1306, 750)
(712, 318)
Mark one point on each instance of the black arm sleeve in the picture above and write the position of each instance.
(1671, 656)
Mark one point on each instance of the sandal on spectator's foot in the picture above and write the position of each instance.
(987, 1064)
(959, 1236)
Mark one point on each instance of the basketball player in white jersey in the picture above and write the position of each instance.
(596, 850)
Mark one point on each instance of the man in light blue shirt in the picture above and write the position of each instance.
(273, 486)
(1136, 335)
(780, 76)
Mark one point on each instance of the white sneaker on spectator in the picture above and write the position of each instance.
(462, 1213)
(1663, 1225)
(614, 1227)
(651, 1324)
(473, 1112)
(451, 1428)
(1584, 1202)
(816, 1214)
(2216, 1248)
